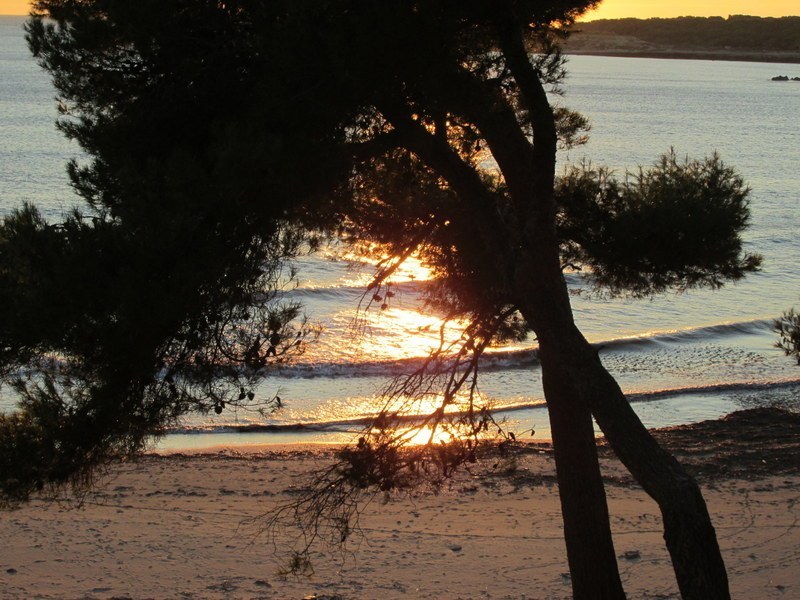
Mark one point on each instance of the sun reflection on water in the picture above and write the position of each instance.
(397, 333)
(387, 323)
(384, 322)
(428, 435)
(362, 269)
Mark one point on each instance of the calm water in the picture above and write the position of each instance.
(681, 357)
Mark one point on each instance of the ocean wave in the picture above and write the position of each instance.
(357, 424)
(336, 292)
(349, 425)
(653, 395)
(714, 388)
(500, 359)
(506, 359)
(708, 332)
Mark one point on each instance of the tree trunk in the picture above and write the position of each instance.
(576, 384)
(587, 532)
(688, 532)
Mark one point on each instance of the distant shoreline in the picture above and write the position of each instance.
(736, 38)
(691, 55)
(625, 51)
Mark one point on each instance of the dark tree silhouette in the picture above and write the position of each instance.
(222, 133)
(162, 295)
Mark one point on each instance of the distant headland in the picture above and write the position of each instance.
(738, 37)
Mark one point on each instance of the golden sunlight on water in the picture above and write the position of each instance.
(384, 322)
(363, 269)
(428, 435)
(412, 269)
(360, 407)
(397, 333)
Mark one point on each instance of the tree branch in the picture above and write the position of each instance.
(462, 178)
(542, 119)
(374, 147)
(484, 104)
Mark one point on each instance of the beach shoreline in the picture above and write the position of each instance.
(184, 524)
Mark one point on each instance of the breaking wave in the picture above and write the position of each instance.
(354, 425)
(494, 360)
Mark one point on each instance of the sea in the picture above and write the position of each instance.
(680, 357)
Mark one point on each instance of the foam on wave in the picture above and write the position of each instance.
(521, 358)
(354, 425)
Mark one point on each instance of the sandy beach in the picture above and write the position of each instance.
(180, 526)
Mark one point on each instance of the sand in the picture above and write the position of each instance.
(180, 526)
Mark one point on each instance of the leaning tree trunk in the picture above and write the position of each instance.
(583, 381)
(576, 384)
(587, 531)
(573, 377)
(688, 532)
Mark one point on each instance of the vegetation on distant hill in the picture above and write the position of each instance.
(737, 32)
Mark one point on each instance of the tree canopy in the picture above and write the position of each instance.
(788, 328)
(223, 137)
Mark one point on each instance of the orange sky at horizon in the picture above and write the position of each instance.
(645, 9)
(615, 9)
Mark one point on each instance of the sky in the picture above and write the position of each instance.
(614, 9)
(14, 7)
(643, 9)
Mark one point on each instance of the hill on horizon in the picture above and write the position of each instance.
(737, 37)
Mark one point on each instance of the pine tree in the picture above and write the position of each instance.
(221, 134)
